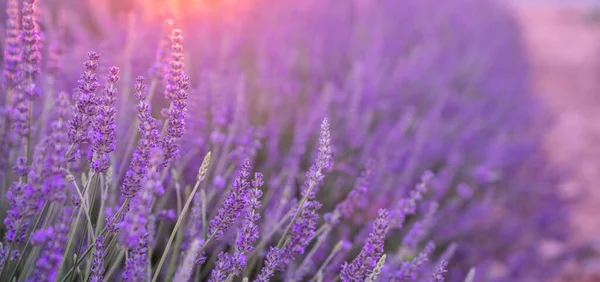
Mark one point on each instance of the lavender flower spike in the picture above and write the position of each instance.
(12, 45)
(85, 107)
(49, 262)
(104, 127)
(135, 265)
(249, 232)
(97, 270)
(439, 274)
(185, 271)
(366, 260)
(30, 55)
(176, 64)
(176, 121)
(356, 197)
(149, 136)
(234, 203)
(272, 260)
(303, 225)
(408, 270)
(176, 91)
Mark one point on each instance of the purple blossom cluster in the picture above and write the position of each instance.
(315, 140)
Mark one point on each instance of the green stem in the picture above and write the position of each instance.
(298, 211)
(89, 249)
(335, 250)
(35, 226)
(116, 264)
(177, 224)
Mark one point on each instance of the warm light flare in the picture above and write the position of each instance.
(182, 9)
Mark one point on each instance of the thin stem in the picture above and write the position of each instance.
(298, 211)
(314, 249)
(89, 249)
(10, 248)
(179, 220)
(116, 263)
(85, 206)
(335, 250)
(204, 220)
(35, 226)
(210, 238)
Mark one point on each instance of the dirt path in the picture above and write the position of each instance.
(564, 49)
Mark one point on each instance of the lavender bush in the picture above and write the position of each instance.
(278, 141)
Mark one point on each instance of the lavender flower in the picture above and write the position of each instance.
(408, 270)
(222, 266)
(176, 121)
(366, 260)
(20, 209)
(85, 107)
(97, 270)
(271, 262)
(135, 265)
(104, 127)
(175, 65)
(135, 223)
(48, 264)
(40, 236)
(408, 206)
(234, 203)
(438, 275)
(249, 231)
(356, 197)
(305, 218)
(12, 47)
(419, 229)
(185, 271)
(3, 255)
(47, 173)
(148, 137)
(31, 56)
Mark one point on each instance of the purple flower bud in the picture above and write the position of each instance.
(408, 206)
(167, 215)
(97, 270)
(438, 275)
(185, 271)
(30, 55)
(85, 107)
(234, 203)
(103, 124)
(41, 235)
(135, 265)
(49, 262)
(20, 168)
(12, 45)
(408, 270)
(272, 260)
(249, 231)
(367, 259)
(175, 65)
(356, 197)
(176, 121)
(149, 136)
(219, 182)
